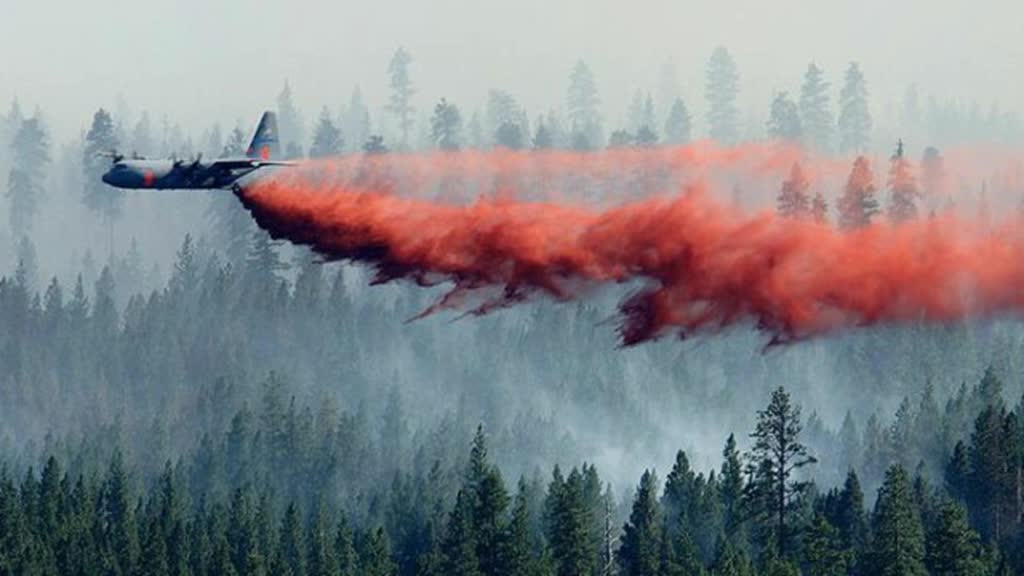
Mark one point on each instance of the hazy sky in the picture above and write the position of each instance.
(201, 61)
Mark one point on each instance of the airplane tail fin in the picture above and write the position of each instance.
(264, 144)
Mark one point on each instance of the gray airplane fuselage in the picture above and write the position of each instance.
(177, 174)
(145, 173)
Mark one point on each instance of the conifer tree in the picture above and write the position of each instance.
(854, 116)
(815, 113)
(327, 138)
(776, 454)
(903, 192)
(731, 484)
(98, 197)
(516, 553)
(784, 119)
(446, 126)
(824, 555)
(542, 138)
(582, 106)
(858, 205)
(897, 543)
(459, 548)
(402, 91)
(639, 552)
(721, 89)
(953, 548)
(291, 553)
(375, 555)
(568, 526)
(290, 125)
(344, 548)
(677, 125)
(30, 155)
(792, 201)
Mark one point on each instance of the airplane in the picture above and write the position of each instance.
(174, 174)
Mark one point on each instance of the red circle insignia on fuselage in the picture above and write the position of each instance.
(147, 178)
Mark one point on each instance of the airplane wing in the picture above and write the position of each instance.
(238, 163)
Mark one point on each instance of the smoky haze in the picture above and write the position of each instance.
(202, 62)
(160, 321)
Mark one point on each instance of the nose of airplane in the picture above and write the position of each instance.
(110, 177)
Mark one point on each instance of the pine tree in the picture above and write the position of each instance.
(849, 516)
(815, 113)
(509, 136)
(677, 125)
(639, 553)
(320, 558)
(784, 119)
(118, 517)
(327, 139)
(98, 197)
(824, 555)
(402, 91)
(344, 549)
(446, 126)
(241, 532)
(854, 116)
(291, 551)
(994, 472)
(292, 132)
(857, 205)
(459, 546)
(542, 138)
(721, 89)
(30, 155)
(792, 201)
(903, 192)
(516, 552)
(731, 484)
(375, 555)
(731, 561)
(776, 454)
(488, 521)
(569, 526)
(953, 549)
(356, 121)
(582, 105)
(897, 544)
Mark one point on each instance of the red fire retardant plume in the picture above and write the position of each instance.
(697, 264)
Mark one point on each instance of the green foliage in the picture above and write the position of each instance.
(897, 542)
(639, 551)
(953, 548)
(776, 454)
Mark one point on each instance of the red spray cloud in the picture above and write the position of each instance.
(701, 264)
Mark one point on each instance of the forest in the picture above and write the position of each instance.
(181, 394)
